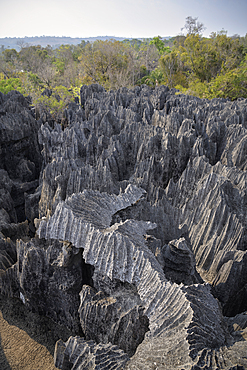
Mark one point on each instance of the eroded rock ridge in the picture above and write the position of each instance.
(129, 227)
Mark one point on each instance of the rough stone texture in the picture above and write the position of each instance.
(183, 320)
(27, 339)
(20, 164)
(238, 326)
(20, 157)
(124, 323)
(54, 289)
(83, 354)
(214, 211)
(48, 277)
(7, 253)
(141, 227)
(179, 263)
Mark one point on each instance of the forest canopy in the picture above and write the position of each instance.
(207, 67)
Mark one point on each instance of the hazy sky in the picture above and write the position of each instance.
(123, 18)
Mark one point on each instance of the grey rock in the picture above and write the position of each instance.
(211, 199)
(20, 160)
(140, 191)
(120, 252)
(50, 277)
(124, 322)
(8, 254)
(81, 354)
(179, 263)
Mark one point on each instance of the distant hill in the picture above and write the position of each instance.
(18, 42)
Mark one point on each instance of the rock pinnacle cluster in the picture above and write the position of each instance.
(128, 226)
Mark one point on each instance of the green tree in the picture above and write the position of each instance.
(110, 63)
(156, 77)
(11, 84)
(67, 65)
(160, 45)
(9, 63)
(232, 84)
(228, 52)
(172, 68)
(55, 103)
(38, 61)
(243, 43)
(205, 58)
(195, 54)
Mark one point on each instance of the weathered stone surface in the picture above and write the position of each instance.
(139, 192)
(120, 252)
(20, 157)
(124, 322)
(83, 354)
(114, 143)
(7, 253)
(50, 277)
(179, 263)
(211, 199)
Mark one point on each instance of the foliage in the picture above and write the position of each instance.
(232, 85)
(172, 66)
(11, 84)
(206, 58)
(243, 43)
(109, 63)
(35, 80)
(55, 103)
(160, 45)
(156, 77)
(205, 67)
(10, 55)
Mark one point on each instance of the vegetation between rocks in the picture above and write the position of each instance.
(206, 67)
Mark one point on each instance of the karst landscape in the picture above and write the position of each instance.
(127, 227)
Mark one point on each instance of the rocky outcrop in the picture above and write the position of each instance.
(81, 354)
(7, 253)
(179, 263)
(189, 313)
(140, 219)
(20, 165)
(124, 321)
(215, 194)
(20, 160)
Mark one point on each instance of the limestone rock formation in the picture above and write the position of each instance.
(83, 354)
(20, 160)
(189, 313)
(124, 322)
(179, 263)
(20, 164)
(131, 227)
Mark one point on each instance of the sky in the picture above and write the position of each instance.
(119, 18)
